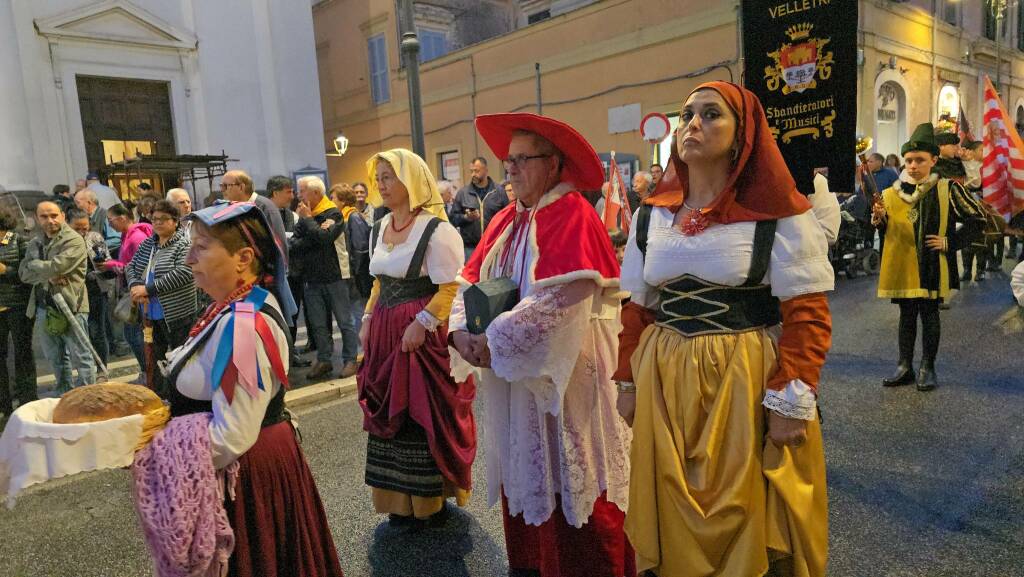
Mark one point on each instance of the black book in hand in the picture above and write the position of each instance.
(486, 300)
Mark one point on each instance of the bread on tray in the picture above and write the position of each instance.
(105, 401)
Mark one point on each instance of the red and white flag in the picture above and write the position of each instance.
(1002, 173)
(617, 213)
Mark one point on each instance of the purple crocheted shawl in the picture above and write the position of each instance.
(179, 499)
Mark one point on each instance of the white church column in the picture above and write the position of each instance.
(17, 157)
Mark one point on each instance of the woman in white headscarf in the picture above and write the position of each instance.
(422, 436)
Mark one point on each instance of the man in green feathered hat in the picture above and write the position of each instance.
(918, 217)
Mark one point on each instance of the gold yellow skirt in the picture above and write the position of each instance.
(709, 495)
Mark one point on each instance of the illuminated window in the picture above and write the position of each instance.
(949, 102)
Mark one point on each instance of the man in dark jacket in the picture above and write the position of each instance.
(14, 320)
(476, 204)
(282, 194)
(325, 291)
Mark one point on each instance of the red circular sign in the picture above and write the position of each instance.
(655, 127)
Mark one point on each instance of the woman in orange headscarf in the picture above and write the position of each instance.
(722, 253)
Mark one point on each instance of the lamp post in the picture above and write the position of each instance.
(411, 62)
(998, 10)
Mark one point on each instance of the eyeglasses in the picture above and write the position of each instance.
(227, 185)
(519, 160)
(161, 219)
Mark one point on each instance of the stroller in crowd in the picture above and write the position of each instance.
(854, 251)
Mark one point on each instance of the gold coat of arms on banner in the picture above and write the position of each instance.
(798, 64)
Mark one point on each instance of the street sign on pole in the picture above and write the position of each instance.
(655, 127)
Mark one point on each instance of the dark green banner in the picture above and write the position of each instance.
(801, 61)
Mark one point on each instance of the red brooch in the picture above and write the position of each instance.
(694, 222)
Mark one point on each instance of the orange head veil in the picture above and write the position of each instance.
(759, 187)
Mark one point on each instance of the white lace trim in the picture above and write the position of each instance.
(553, 430)
(796, 401)
(428, 320)
(537, 342)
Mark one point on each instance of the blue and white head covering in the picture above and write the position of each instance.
(223, 211)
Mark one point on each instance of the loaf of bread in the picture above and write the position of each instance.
(105, 401)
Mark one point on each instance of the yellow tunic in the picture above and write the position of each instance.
(899, 277)
(709, 495)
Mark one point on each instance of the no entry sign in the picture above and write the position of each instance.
(655, 127)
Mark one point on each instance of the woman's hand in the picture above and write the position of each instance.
(140, 294)
(935, 242)
(786, 431)
(413, 337)
(364, 333)
(626, 405)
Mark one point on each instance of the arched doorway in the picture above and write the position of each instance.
(1019, 122)
(890, 117)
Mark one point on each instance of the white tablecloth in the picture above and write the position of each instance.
(34, 450)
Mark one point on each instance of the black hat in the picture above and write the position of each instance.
(923, 140)
(944, 138)
(970, 144)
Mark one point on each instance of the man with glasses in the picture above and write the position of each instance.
(236, 186)
(547, 363)
(476, 204)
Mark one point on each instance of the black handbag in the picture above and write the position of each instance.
(486, 300)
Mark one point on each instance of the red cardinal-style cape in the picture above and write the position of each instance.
(567, 242)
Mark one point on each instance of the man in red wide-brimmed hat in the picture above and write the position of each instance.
(558, 454)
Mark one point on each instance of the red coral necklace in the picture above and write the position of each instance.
(694, 221)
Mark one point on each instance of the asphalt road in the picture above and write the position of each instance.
(920, 484)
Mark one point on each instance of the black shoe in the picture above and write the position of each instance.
(301, 362)
(440, 518)
(401, 520)
(926, 379)
(966, 277)
(980, 277)
(904, 376)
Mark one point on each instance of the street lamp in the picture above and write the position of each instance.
(340, 144)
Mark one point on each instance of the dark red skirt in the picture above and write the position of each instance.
(396, 386)
(555, 548)
(279, 521)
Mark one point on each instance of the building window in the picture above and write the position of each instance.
(949, 102)
(665, 146)
(380, 82)
(451, 166)
(538, 16)
(433, 44)
(1020, 26)
(989, 22)
(950, 12)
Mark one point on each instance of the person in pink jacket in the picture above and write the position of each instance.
(132, 234)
